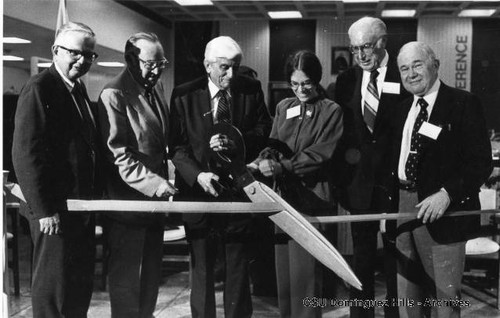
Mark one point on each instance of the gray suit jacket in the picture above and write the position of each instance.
(135, 140)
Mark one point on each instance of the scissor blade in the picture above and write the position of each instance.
(295, 225)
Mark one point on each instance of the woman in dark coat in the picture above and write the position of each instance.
(304, 136)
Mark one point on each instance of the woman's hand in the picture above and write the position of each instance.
(270, 168)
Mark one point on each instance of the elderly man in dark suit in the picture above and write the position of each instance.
(442, 156)
(134, 118)
(56, 158)
(368, 94)
(221, 96)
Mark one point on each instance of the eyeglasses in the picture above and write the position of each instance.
(366, 48)
(306, 84)
(151, 65)
(77, 54)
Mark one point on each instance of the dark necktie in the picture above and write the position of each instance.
(223, 114)
(150, 95)
(371, 101)
(416, 142)
(78, 93)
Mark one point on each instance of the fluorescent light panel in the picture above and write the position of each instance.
(12, 58)
(358, 1)
(14, 40)
(111, 64)
(194, 2)
(44, 64)
(398, 13)
(284, 14)
(476, 13)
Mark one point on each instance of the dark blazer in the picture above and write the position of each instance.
(458, 160)
(53, 159)
(191, 125)
(136, 142)
(361, 161)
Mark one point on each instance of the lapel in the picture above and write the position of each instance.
(135, 95)
(73, 110)
(442, 106)
(203, 106)
(237, 107)
(386, 99)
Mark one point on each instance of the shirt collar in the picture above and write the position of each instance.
(431, 95)
(67, 82)
(214, 90)
(382, 66)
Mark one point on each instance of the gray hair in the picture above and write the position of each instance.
(73, 27)
(419, 46)
(376, 26)
(222, 46)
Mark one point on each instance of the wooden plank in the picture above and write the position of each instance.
(173, 207)
(389, 216)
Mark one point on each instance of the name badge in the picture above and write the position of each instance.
(293, 112)
(429, 130)
(391, 88)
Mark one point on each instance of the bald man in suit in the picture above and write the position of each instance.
(442, 155)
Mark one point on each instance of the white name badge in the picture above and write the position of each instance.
(391, 88)
(429, 130)
(293, 112)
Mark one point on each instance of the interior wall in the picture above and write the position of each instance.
(254, 39)
(486, 68)
(14, 79)
(112, 23)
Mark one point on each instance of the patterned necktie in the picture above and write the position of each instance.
(416, 142)
(150, 95)
(371, 101)
(82, 107)
(223, 114)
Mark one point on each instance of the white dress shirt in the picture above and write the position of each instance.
(430, 98)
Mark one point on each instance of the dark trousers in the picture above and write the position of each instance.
(364, 238)
(134, 268)
(203, 243)
(427, 270)
(63, 268)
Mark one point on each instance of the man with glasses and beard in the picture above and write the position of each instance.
(56, 158)
(134, 117)
(368, 94)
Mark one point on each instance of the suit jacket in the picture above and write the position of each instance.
(458, 160)
(135, 140)
(53, 158)
(361, 165)
(191, 125)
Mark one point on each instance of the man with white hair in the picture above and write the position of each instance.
(56, 158)
(442, 155)
(368, 94)
(222, 96)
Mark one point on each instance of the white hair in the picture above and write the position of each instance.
(222, 46)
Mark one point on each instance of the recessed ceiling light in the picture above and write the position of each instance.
(111, 64)
(285, 14)
(358, 1)
(398, 13)
(194, 2)
(44, 64)
(12, 58)
(14, 40)
(476, 13)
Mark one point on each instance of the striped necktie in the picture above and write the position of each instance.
(371, 101)
(416, 142)
(223, 113)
